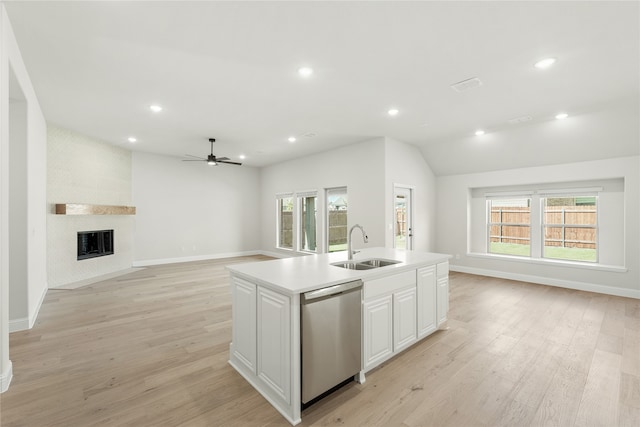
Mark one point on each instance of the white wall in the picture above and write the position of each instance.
(11, 63)
(84, 170)
(18, 218)
(359, 167)
(404, 164)
(189, 211)
(453, 217)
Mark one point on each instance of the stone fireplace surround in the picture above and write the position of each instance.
(83, 170)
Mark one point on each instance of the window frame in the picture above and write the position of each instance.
(490, 224)
(327, 193)
(544, 225)
(279, 200)
(300, 200)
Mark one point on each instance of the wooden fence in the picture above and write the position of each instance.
(337, 228)
(401, 223)
(564, 226)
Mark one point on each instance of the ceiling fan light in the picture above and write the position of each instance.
(211, 163)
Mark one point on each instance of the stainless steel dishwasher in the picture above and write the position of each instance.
(331, 329)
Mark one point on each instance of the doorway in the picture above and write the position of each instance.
(403, 217)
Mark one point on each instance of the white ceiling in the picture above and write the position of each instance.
(228, 70)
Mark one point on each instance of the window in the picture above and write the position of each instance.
(285, 221)
(570, 228)
(337, 210)
(579, 222)
(509, 226)
(307, 228)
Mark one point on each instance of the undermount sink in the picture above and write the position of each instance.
(353, 265)
(365, 264)
(379, 262)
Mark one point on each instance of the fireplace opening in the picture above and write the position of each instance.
(95, 243)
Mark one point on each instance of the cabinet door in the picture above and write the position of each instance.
(443, 299)
(404, 318)
(426, 301)
(378, 330)
(244, 322)
(274, 342)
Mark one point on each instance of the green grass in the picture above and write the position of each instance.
(570, 254)
(574, 254)
(510, 249)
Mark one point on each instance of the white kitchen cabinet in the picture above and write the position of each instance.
(404, 318)
(443, 299)
(378, 330)
(244, 322)
(274, 344)
(443, 292)
(389, 316)
(426, 295)
(264, 336)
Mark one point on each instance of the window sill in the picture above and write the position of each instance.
(556, 263)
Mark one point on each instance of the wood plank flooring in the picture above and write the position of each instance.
(151, 349)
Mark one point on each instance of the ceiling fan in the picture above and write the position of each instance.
(211, 158)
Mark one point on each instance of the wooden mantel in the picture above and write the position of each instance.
(83, 209)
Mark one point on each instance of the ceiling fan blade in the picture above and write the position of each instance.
(211, 159)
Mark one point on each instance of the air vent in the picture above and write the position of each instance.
(521, 119)
(465, 85)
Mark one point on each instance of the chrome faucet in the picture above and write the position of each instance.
(350, 252)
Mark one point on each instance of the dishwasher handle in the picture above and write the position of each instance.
(330, 290)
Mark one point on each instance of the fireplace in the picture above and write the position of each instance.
(95, 243)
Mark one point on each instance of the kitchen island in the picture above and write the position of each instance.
(401, 304)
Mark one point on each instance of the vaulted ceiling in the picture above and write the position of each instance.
(229, 70)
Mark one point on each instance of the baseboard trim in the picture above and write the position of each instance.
(34, 316)
(17, 325)
(25, 323)
(570, 284)
(94, 279)
(149, 262)
(6, 377)
(275, 254)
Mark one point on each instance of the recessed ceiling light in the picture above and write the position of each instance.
(479, 132)
(545, 63)
(561, 116)
(242, 156)
(292, 139)
(155, 108)
(305, 71)
(131, 139)
(393, 112)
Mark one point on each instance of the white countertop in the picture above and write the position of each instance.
(306, 273)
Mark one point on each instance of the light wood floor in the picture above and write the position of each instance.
(151, 349)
